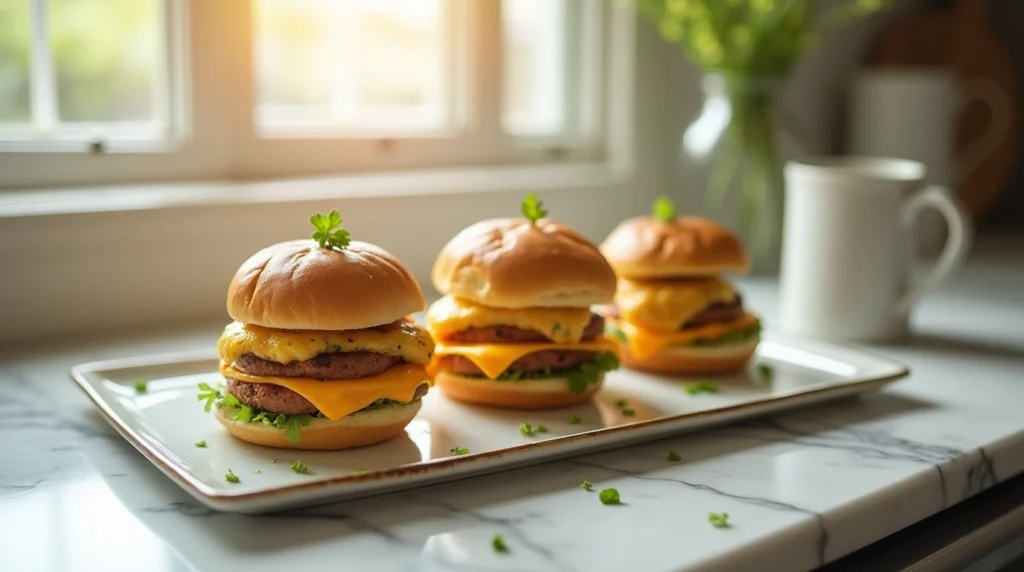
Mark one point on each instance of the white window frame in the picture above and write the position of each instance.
(214, 132)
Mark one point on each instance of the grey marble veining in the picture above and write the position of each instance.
(801, 489)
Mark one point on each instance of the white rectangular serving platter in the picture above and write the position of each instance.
(165, 422)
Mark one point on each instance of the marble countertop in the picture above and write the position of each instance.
(801, 489)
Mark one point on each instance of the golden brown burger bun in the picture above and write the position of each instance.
(693, 360)
(298, 285)
(644, 247)
(510, 263)
(529, 394)
(356, 430)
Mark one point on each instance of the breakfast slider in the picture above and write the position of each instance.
(515, 328)
(673, 311)
(322, 354)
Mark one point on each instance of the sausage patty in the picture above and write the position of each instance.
(719, 312)
(511, 334)
(344, 365)
(537, 361)
(277, 399)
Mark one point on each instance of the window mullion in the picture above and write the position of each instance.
(487, 78)
(43, 79)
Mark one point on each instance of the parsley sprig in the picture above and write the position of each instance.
(663, 209)
(529, 430)
(587, 486)
(300, 467)
(459, 450)
(609, 496)
(589, 373)
(329, 233)
(231, 477)
(702, 386)
(533, 209)
(241, 413)
(718, 519)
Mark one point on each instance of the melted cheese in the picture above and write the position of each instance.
(338, 398)
(494, 359)
(668, 304)
(644, 343)
(449, 315)
(403, 339)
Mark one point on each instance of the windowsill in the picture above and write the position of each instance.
(441, 182)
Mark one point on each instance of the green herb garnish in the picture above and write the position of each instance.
(329, 233)
(627, 412)
(459, 450)
(718, 519)
(766, 371)
(703, 386)
(200, 444)
(616, 333)
(590, 372)
(358, 470)
(663, 209)
(526, 429)
(673, 456)
(575, 420)
(541, 429)
(498, 544)
(139, 385)
(299, 467)
(621, 403)
(258, 472)
(231, 477)
(609, 496)
(585, 485)
(207, 394)
(533, 209)
(273, 460)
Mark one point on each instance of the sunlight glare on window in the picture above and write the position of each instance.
(535, 66)
(15, 42)
(353, 65)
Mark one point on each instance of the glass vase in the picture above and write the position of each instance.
(738, 135)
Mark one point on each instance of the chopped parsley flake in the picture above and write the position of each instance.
(628, 412)
(673, 456)
(703, 386)
(258, 472)
(357, 470)
(498, 544)
(609, 496)
(299, 467)
(231, 477)
(139, 385)
(718, 519)
(585, 485)
(200, 444)
(273, 460)
(575, 420)
(621, 403)
(541, 429)
(765, 370)
(526, 429)
(459, 450)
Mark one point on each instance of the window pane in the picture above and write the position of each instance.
(106, 55)
(15, 95)
(535, 35)
(364, 64)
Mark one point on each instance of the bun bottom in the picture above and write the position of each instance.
(693, 360)
(551, 393)
(356, 430)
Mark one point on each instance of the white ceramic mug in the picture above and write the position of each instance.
(847, 245)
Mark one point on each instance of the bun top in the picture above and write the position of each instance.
(644, 247)
(298, 285)
(510, 263)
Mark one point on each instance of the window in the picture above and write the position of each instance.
(165, 89)
(84, 71)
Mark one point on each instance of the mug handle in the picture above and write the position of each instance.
(988, 92)
(958, 241)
